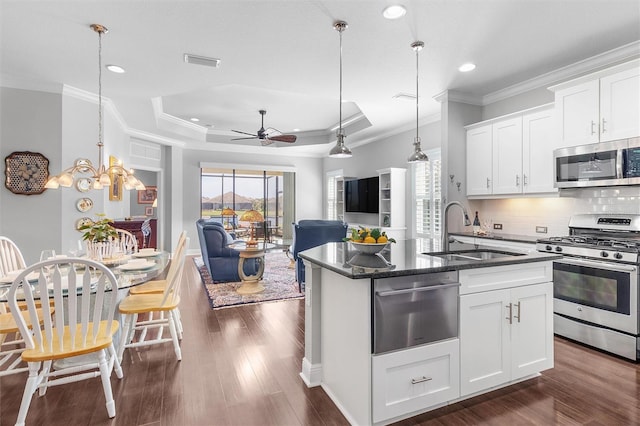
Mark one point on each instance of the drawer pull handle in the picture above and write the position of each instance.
(510, 317)
(420, 380)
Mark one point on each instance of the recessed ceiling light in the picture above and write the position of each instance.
(295, 130)
(195, 120)
(115, 68)
(394, 11)
(467, 67)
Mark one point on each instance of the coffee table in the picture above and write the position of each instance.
(251, 283)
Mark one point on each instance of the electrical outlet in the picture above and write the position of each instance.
(541, 229)
(497, 226)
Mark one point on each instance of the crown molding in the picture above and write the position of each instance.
(12, 82)
(619, 54)
(455, 96)
(176, 125)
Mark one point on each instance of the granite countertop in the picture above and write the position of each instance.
(406, 258)
(505, 237)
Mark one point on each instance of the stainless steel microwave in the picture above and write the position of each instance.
(600, 164)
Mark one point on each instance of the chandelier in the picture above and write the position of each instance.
(340, 150)
(417, 154)
(102, 176)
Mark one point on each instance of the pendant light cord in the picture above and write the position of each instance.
(340, 125)
(417, 97)
(100, 143)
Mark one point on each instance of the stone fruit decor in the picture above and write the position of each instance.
(369, 236)
(100, 238)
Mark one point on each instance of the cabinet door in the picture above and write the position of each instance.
(532, 329)
(577, 114)
(414, 379)
(507, 156)
(620, 105)
(484, 341)
(538, 143)
(479, 159)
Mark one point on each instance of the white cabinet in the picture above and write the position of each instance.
(511, 155)
(339, 198)
(538, 144)
(413, 379)
(600, 107)
(479, 157)
(505, 335)
(392, 198)
(507, 156)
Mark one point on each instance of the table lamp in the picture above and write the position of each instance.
(228, 213)
(252, 216)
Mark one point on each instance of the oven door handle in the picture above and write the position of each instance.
(596, 263)
(413, 290)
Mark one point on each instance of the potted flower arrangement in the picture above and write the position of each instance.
(101, 238)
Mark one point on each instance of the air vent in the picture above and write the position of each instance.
(201, 60)
(404, 96)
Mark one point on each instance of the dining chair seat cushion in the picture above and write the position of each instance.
(155, 286)
(8, 323)
(70, 348)
(143, 303)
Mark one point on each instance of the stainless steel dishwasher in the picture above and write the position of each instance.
(414, 310)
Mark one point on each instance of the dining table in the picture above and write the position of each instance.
(130, 270)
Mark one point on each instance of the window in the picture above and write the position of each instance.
(428, 196)
(334, 181)
(243, 190)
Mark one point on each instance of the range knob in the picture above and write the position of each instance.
(604, 253)
(618, 255)
(558, 249)
(548, 248)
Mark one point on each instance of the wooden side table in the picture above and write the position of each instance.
(251, 283)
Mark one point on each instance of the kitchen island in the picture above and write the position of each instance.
(505, 318)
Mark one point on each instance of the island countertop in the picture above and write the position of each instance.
(407, 257)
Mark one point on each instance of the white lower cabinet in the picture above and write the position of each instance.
(505, 335)
(415, 379)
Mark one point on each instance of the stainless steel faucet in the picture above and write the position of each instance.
(445, 225)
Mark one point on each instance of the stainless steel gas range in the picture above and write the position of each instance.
(596, 282)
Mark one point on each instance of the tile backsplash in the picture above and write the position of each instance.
(522, 215)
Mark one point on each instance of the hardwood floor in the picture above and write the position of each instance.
(240, 367)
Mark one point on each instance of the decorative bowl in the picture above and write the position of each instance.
(368, 248)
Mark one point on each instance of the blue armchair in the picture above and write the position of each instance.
(313, 233)
(221, 260)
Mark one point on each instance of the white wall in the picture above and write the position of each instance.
(389, 152)
(309, 202)
(31, 121)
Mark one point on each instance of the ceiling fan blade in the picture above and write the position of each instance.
(245, 133)
(242, 139)
(266, 141)
(283, 138)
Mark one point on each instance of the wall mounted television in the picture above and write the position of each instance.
(361, 195)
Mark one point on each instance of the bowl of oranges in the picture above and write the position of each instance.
(369, 241)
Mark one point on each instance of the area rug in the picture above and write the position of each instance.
(278, 280)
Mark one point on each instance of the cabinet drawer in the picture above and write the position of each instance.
(496, 278)
(415, 379)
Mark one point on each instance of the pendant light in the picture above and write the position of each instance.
(102, 175)
(340, 150)
(417, 154)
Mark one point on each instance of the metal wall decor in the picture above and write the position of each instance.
(26, 172)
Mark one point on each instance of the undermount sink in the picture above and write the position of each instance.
(466, 255)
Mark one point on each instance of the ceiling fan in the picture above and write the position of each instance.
(266, 136)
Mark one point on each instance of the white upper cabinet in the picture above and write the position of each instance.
(512, 155)
(507, 156)
(600, 107)
(620, 105)
(479, 157)
(538, 143)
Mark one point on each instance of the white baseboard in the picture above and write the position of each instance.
(311, 373)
